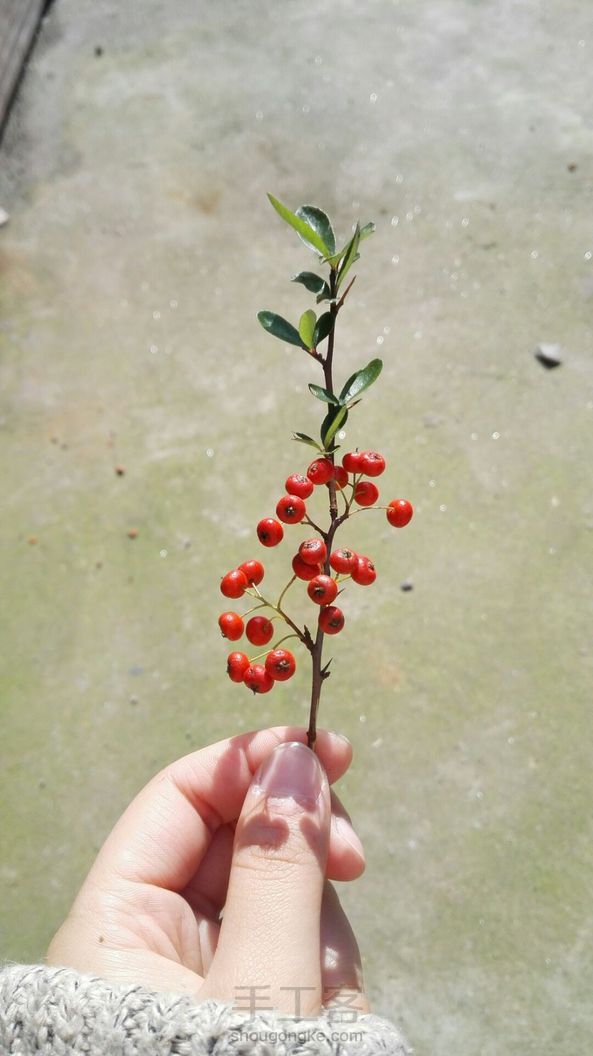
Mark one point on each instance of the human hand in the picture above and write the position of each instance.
(203, 835)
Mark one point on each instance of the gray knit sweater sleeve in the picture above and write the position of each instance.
(58, 1012)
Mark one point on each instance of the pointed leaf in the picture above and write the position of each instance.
(322, 328)
(326, 424)
(342, 273)
(360, 380)
(335, 417)
(325, 294)
(367, 230)
(349, 257)
(303, 229)
(312, 282)
(319, 222)
(323, 394)
(304, 439)
(307, 327)
(280, 328)
(335, 258)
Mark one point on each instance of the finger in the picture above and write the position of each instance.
(207, 890)
(341, 968)
(345, 860)
(269, 943)
(163, 835)
(209, 932)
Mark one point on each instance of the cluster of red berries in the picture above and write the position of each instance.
(259, 678)
(311, 563)
(280, 664)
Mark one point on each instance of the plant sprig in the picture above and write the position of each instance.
(314, 228)
(316, 562)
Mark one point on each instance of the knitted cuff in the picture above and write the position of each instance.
(58, 1012)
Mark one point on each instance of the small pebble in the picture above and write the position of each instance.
(120, 470)
(406, 585)
(132, 533)
(548, 355)
(32, 540)
(4, 217)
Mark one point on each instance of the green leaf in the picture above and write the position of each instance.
(280, 328)
(342, 273)
(304, 439)
(360, 380)
(322, 328)
(312, 282)
(335, 417)
(319, 222)
(323, 394)
(325, 294)
(307, 327)
(335, 259)
(349, 257)
(367, 230)
(308, 234)
(326, 424)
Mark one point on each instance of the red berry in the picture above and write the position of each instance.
(352, 462)
(399, 512)
(257, 679)
(231, 625)
(365, 493)
(331, 619)
(372, 463)
(270, 532)
(254, 570)
(291, 509)
(303, 570)
(234, 584)
(236, 666)
(340, 477)
(280, 664)
(313, 551)
(320, 471)
(365, 572)
(259, 630)
(322, 590)
(343, 560)
(299, 485)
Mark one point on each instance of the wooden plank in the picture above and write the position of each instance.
(19, 20)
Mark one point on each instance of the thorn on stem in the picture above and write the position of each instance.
(325, 672)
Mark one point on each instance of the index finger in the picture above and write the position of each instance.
(163, 835)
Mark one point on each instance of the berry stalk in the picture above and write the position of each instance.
(318, 675)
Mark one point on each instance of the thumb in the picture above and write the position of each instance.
(268, 952)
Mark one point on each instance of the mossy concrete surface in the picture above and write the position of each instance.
(139, 248)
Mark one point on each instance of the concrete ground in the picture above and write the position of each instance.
(139, 248)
